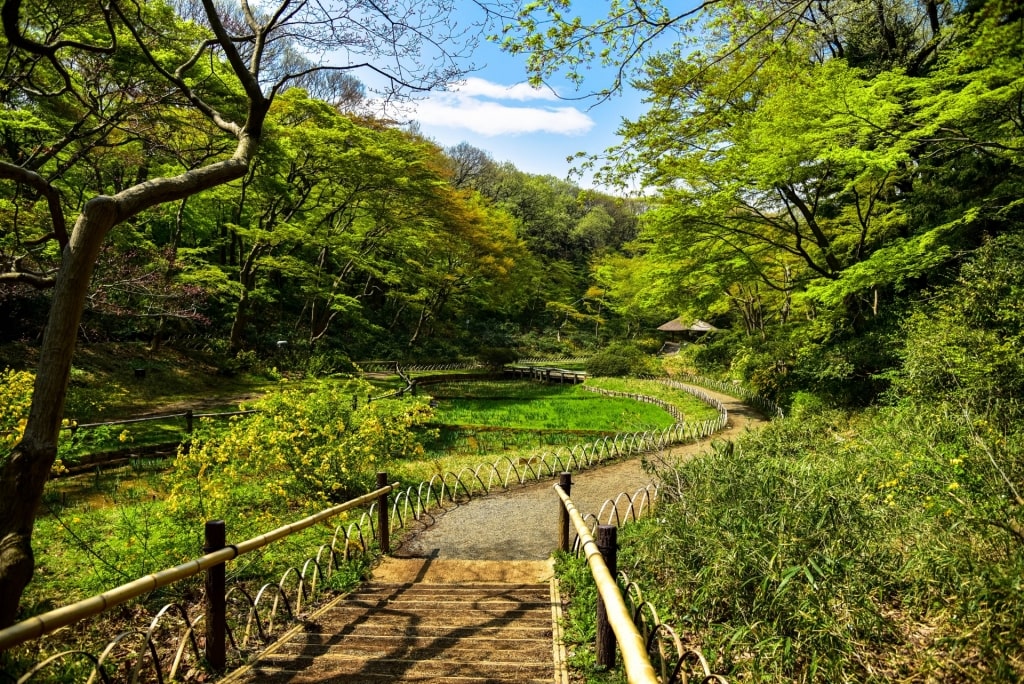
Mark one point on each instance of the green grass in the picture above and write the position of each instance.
(561, 407)
(104, 387)
(579, 630)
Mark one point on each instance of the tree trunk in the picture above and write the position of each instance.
(23, 476)
(237, 337)
(247, 278)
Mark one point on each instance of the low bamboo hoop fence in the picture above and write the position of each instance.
(672, 662)
(169, 645)
(733, 389)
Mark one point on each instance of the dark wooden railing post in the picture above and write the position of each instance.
(565, 482)
(188, 421)
(383, 526)
(216, 609)
(607, 544)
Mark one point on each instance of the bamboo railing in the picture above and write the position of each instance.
(646, 640)
(412, 503)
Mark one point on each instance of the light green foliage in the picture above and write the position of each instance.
(842, 550)
(306, 447)
(814, 170)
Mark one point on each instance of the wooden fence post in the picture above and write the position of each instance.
(216, 608)
(188, 421)
(607, 544)
(383, 526)
(565, 482)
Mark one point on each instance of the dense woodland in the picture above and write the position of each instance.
(838, 186)
(348, 237)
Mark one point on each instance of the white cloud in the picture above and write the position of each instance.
(473, 105)
(521, 92)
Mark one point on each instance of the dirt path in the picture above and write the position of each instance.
(522, 524)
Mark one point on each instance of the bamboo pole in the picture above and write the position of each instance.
(45, 623)
(634, 652)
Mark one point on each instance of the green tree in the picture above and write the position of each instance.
(83, 78)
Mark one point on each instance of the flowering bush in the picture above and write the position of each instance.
(15, 398)
(305, 446)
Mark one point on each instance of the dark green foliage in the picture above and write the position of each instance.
(966, 349)
(619, 359)
(496, 357)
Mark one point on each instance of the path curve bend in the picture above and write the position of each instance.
(522, 523)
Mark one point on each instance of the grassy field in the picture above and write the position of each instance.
(530, 406)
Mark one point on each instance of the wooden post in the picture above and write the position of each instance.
(216, 608)
(607, 544)
(565, 482)
(383, 529)
(188, 421)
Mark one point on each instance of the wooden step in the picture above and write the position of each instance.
(424, 632)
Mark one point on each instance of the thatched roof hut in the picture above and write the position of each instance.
(695, 329)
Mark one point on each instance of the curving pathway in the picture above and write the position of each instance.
(522, 524)
(469, 596)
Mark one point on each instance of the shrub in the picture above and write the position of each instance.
(619, 359)
(682, 363)
(329, 362)
(15, 398)
(967, 348)
(305, 446)
(833, 547)
(496, 357)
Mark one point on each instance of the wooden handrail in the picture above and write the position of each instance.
(45, 623)
(634, 652)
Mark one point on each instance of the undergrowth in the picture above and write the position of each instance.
(877, 547)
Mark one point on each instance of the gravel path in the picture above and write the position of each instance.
(522, 524)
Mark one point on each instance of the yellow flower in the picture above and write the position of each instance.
(953, 486)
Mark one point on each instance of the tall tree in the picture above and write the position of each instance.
(86, 77)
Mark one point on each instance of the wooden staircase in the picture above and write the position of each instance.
(428, 621)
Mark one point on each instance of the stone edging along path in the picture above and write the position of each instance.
(522, 523)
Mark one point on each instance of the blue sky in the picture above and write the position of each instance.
(495, 110)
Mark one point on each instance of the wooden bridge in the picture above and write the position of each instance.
(545, 374)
